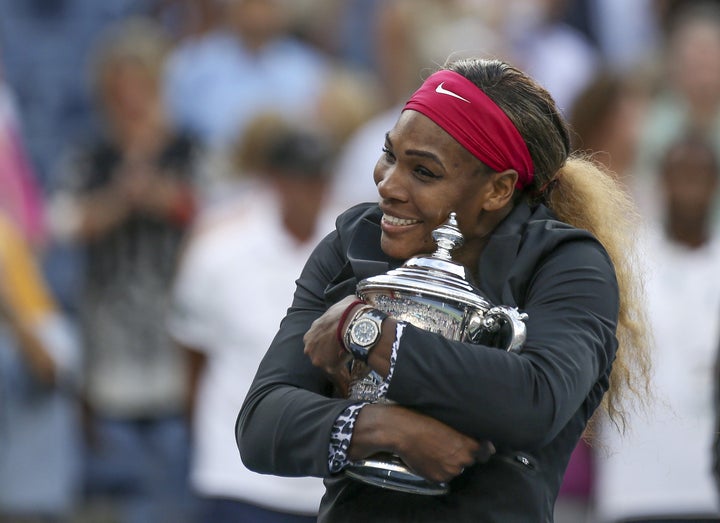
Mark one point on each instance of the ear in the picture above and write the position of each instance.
(502, 189)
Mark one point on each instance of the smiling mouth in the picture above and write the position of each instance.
(398, 222)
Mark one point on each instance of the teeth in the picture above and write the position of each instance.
(392, 220)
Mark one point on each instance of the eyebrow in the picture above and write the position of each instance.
(416, 152)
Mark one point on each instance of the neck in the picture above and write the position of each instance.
(143, 136)
(253, 42)
(703, 112)
(301, 205)
(689, 235)
(302, 231)
(471, 250)
(469, 255)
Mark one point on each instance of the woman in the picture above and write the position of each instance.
(481, 139)
(126, 204)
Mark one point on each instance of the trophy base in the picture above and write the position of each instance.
(391, 473)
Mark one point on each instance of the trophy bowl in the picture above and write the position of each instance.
(434, 293)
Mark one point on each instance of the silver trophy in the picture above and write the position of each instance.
(434, 293)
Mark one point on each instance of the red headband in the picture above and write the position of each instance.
(466, 113)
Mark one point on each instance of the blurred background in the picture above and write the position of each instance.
(152, 152)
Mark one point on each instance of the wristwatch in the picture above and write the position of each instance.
(363, 333)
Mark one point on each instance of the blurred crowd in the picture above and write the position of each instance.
(166, 166)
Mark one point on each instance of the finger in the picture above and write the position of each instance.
(485, 451)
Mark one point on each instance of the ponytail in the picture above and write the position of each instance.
(585, 195)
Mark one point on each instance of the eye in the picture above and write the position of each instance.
(389, 156)
(426, 174)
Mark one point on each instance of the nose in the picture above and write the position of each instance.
(388, 179)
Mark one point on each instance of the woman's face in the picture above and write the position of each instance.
(128, 91)
(422, 176)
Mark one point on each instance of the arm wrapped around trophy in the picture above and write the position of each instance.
(433, 293)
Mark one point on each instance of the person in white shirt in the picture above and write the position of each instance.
(662, 467)
(233, 287)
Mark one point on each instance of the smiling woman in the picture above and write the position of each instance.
(544, 231)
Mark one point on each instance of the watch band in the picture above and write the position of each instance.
(364, 332)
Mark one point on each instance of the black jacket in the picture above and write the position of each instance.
(533, 405)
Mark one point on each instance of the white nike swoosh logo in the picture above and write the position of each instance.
(441, 90)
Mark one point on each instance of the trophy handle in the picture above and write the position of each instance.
(495, 318)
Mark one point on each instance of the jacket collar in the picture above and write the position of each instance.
(364, 252)
(498, 257)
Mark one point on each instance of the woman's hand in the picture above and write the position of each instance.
(323, 348)
(429, 447)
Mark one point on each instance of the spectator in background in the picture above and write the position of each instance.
(233, 288)
(606, 120)
(247, 64)
(688, 86)
(45, 45)
(127, 201)
(349, 98)
(39, 376)
(662, 468)
(627, 33)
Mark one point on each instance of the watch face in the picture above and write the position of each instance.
(364, 332)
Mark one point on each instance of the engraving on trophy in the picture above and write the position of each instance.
(430, 315)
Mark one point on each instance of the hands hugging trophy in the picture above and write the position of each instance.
(433, 293)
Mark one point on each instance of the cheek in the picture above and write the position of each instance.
(378, 171)
(465, 204)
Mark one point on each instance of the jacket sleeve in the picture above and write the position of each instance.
(285, 422)
(522, 400)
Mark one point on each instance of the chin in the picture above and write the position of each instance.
(403, 251)
(394, 250)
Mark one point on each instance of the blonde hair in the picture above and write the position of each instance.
(138, 40)
(582, 193)
(613, 220)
